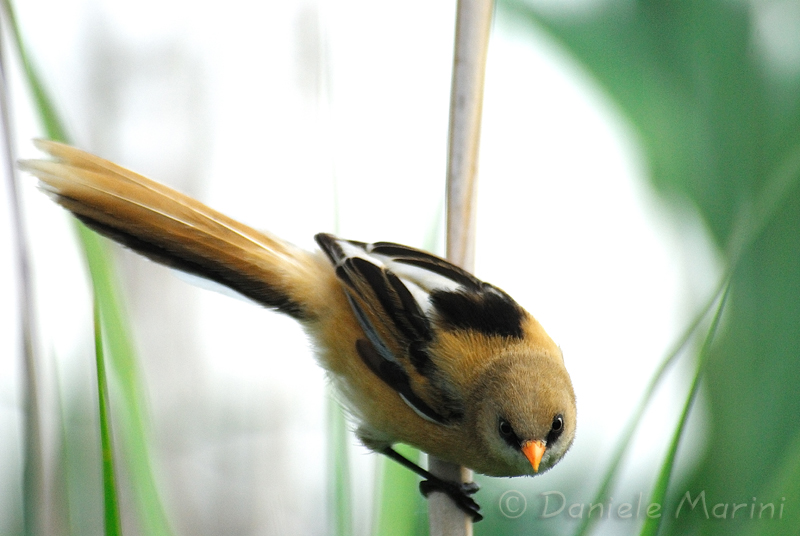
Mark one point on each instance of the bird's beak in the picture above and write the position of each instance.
(534, 450)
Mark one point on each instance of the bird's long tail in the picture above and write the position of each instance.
(176, 230)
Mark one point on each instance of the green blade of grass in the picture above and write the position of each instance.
(752, 224)
(749, 227)
(132, 408)
(652, 524)
(113, 526)
(633, 424)
(121, 356)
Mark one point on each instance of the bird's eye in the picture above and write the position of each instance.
(505, 428)
(508, 434)
(555, 429)
(558, 423)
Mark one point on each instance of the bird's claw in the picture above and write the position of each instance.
(458, 492)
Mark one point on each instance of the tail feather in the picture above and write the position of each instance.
(172, 228)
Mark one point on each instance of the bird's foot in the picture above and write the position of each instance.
(459, 492)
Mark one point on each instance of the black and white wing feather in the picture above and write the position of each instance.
(398, 294)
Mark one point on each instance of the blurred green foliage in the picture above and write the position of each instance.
(400, 508)
(119, 357)
(716, 104)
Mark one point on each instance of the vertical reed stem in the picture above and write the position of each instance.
(473, 20)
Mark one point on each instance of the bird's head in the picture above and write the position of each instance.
(525, 414)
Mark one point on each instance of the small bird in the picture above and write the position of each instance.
(421, 351)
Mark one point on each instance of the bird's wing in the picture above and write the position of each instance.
(455, 298)
(389, 287)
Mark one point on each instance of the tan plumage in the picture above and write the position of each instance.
(423, 352)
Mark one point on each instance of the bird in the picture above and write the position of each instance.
(420, 351)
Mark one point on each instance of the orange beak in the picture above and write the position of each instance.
(534, 450)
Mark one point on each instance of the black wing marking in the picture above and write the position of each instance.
(365, 279)
(418, 322)
(369, 330)
(423, 259)
(394, 375)
(475, 305)
(330, 246)
(396, 327)
(394, 298)
(472, 305)
(489, 311)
